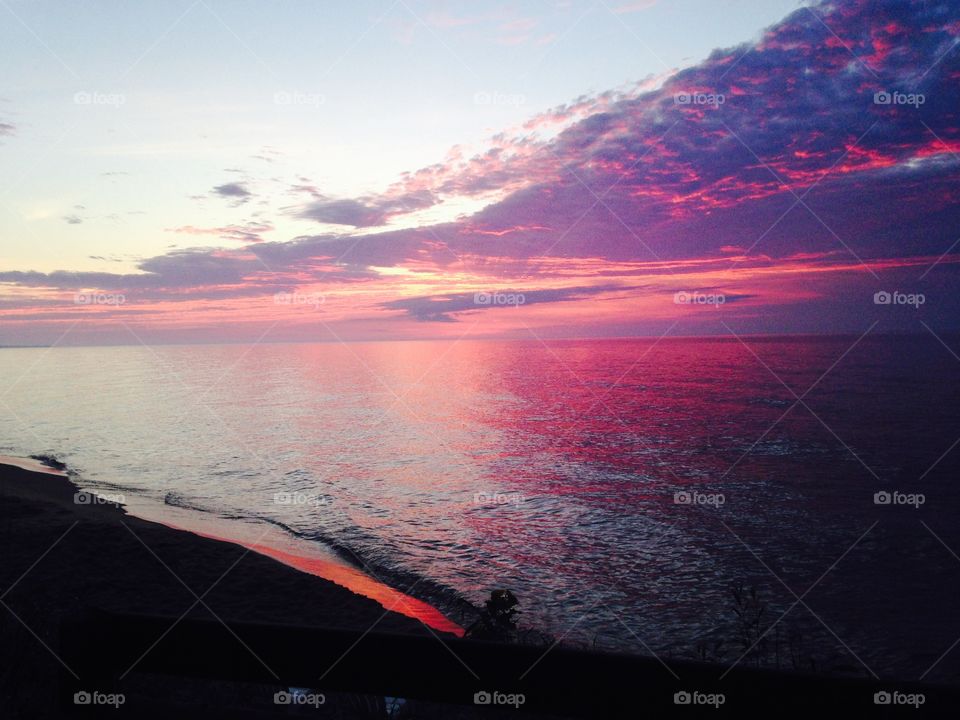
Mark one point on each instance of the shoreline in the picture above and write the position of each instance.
(61, 558)
(31, 465)
(356, 581)
(311, 561)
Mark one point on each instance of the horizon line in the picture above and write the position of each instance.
(539, 338)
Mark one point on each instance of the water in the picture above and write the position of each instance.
(452, 468)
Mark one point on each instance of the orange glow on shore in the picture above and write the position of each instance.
(353, 580)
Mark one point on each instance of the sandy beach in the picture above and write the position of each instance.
(60, 558)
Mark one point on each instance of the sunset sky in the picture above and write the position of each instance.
(234, 171)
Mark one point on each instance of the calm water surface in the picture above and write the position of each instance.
(621, 488)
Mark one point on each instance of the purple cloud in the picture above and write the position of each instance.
(233, 190)
(364, 212)
(444, 308)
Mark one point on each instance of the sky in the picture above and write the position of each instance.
(204, 171)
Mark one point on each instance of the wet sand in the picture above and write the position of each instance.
(59, 558)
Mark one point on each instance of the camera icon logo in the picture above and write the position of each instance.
(882, 498)
(282, 697)
(682, 698)
(882, 297)
(882, 698)
(82, 698)
(482, 698)
(882, 98)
